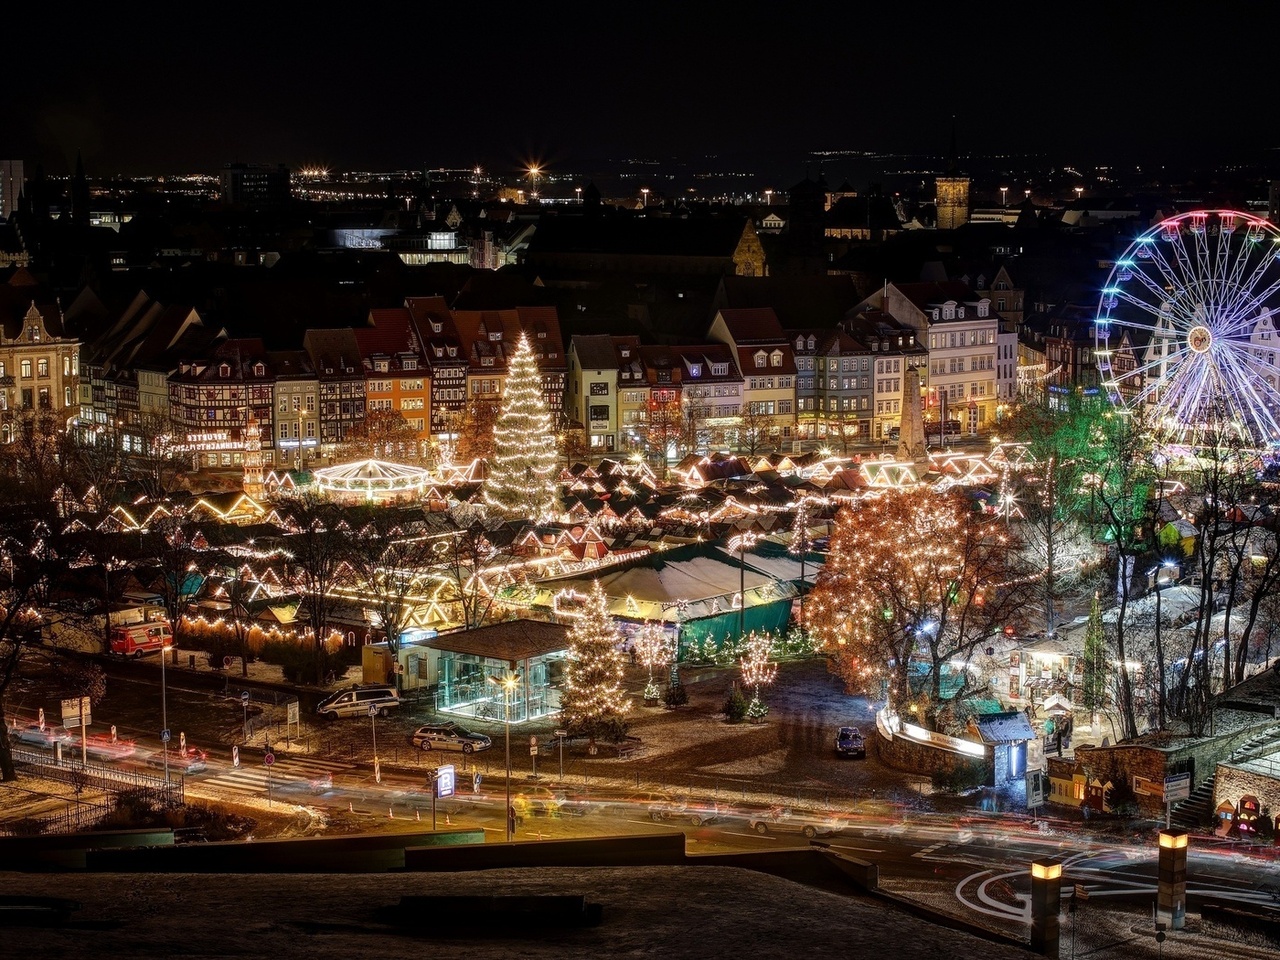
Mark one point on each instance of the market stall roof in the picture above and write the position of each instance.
(512, 640)
(1009, 727)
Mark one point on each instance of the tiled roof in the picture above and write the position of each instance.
(753, 325)
(924, 294)
(595, 352)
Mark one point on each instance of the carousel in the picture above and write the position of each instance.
(373, 481)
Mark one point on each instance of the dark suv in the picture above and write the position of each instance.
(849, 743)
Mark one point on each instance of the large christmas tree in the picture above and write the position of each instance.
(592, 702)
(521, 484)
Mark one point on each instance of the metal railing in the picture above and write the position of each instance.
(105, 778)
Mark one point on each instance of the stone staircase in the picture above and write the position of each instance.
(1194, 812)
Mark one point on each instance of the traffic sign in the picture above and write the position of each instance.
(446, 780)
(533, 749)
(244, 696)
(226, 662)
(373, 709)
(269, 759)
(76, 713)
(561, 734)
(164, 736)
(1080, 893)
(1177, 787)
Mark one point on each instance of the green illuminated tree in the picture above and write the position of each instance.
(592, 701)
(521, 484)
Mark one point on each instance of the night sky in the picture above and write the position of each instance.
(377, 86)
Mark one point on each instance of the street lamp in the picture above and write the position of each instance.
(740, 545)
(644, 192)
(1004, 196)
(508, 684)
(1079, 193)
(578, 191)
(164, 716)
(768, 198)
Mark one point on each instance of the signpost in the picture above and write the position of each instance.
(533, 752)
(562, 735)
(373, 722)
(244, 703)
(291, 717)
(1176, 787)
(75, 712)
(1035, 789)
(444, 784)
(268, 759)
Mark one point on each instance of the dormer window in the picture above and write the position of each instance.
(542, 334)
(259, 370)
(983, 307)
(624, 352)
(453, 351)
(775, 358)
(959, 313)
(486, 361)
(380, 366)
(812, 342)
(439, 351)
(799, 343)
(495, 335)
(935, 313)
(948, 311)
(410, 364)
(761, 359)
(436, 326)
(33, 333)
(224, 370)
(695, 369)
(719, 369)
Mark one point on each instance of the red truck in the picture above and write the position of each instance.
(136, 639)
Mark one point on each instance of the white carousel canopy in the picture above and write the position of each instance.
(373, 479)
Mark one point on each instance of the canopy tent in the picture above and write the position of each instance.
(373, 480)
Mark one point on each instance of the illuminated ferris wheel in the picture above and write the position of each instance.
(1185, 327)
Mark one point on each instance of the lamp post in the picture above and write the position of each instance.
(768, 198)
(1004, 196)
(644, 192)
(508, 683)
(164, 715)
(740, 544)
(578, 191)
(1046, 903)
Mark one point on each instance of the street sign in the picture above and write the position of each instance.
(1080, 893)
(76, 713)
(533, 749)
(1035, 789)
(164, 736)
(561, 734)
(373, 709)
(269, 759)
(292, 712)
(1177, 787)
(244, 696)
(226, 662)
(446, 781)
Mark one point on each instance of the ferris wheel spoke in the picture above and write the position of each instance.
(1252, 303)
(1243, 288)
(1179, 290)
(1144, 305)
(1248, 405)
(1204, 273)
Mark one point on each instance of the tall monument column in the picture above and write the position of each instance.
(911, 430)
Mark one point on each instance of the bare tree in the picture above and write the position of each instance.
(318, 550)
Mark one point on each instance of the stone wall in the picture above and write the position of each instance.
(903, 754)
(1233, 783)
(1124, 761)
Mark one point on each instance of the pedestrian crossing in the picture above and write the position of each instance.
(287, 775)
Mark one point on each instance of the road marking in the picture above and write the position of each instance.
(922, 854)
(849, 846)
(756, 836)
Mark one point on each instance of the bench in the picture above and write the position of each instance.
(629, 749)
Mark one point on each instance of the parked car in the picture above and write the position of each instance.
(47, 737)
(849, 743)
(697, 812)
(355, 701)
(449, 736)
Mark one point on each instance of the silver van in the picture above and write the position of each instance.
(356, 701)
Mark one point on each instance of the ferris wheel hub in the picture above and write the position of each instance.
(1199, 339)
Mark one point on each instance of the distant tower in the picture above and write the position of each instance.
(952, 192)
(911, 429)
(11, 184)
(253, 485)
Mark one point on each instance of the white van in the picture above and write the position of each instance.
(356, 701)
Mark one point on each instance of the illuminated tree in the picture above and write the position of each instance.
(913, 576)
(592, 701)
(757, 670)
(652, 650)
(521, 483)
(664, 425)
(382, 435)
(1093, 686)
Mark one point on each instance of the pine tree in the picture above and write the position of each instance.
(521, 484)
(1093, 686)
(592, 702)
